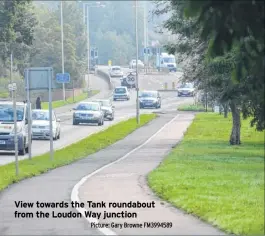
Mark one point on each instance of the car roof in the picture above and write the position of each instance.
(88, 103)
(121, 87)
(11, 103)
(42, 110)
(149, 91)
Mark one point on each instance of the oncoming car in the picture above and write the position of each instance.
(41, 125)
(186, 89)
(88, 112)
(150, 99)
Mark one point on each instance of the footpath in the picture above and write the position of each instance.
(122, 181)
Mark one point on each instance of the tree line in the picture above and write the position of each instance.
(222, 45)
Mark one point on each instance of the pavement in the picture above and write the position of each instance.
(123, 180)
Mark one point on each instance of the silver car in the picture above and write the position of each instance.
(186, 89)
(88, 112)
(107, 107)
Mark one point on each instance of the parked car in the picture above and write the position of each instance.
(107, 107)
(186, 89)
(41, 125)
(150, 99)
(88, 112)
(133, 64)
(121, 93)
(115, 71)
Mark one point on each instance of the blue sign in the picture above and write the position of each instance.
(63, 78)
(147, 50)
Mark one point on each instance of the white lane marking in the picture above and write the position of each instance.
(75, 190)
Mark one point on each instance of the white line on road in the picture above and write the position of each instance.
(75, 190)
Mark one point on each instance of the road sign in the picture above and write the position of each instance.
(109, 62)
(63, 78)
(147, 51)
(38, 78)
(130, 79)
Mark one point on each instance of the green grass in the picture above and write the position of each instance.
(60, 103)
(4, 95)
(222, 184)
(191, 107)
(71, 153)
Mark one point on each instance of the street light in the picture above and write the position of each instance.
(62, 39)
(146, 56)
(137, 81)
(86, 7)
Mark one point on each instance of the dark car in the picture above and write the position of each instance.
(129, 80)
(150, 99)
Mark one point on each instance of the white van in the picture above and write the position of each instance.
(7, 142)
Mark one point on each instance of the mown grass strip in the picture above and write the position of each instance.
(71, 153)
(191, 107)
(71, 100)
(221, 184)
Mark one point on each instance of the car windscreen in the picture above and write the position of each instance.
(169, 60)
(116, 69)
(120, 90)
(186, 86)
(145, 95)
(104, 103)
(88, 107)
(41, 115)
(7, 112)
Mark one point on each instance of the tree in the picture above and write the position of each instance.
(218, 47)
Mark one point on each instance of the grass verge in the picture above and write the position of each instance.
(221, 184)
(60, 103)
(191, 107)
(4, 95)
(71, 153)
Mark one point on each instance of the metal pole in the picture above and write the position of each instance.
(50, 114)
(62, 38)
(137, 82)
(88, 48)
(29, 113)
(145, 39)
(13, 92)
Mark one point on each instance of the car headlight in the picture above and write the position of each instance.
(97, 115)
(76, 114)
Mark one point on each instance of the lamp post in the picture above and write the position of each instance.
(86, 8)
(62, 39)
(137, 81)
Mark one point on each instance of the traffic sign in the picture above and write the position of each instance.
(63, 78)
(130, 80)
(12, 87)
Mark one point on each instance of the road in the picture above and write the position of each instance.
(123, 110)
(120, 176)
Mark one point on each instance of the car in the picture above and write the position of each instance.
(107, 107)
(150, 99)
(7, 131)
(88, 112)
(115, 71)
(133, 64)
(186, 89)
(41, 125)
(132, 80)
(121, 93)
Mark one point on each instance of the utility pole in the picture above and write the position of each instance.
(62, 38)
(137, 81)
(88, 49)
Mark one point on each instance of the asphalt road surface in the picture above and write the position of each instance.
(123, 110)
(120, 181)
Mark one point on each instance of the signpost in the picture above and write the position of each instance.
(12, 88)
(39, 79)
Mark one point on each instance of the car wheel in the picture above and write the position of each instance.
(102, 123)
(75, 122)
(114, 99)
(59, 135)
